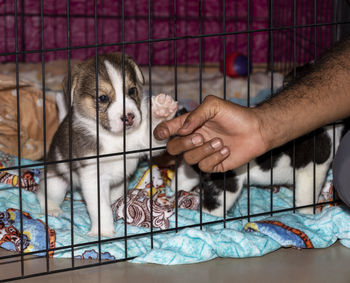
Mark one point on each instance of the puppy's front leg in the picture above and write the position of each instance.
(304, 186)
(56, 191)
(163, 108)
(89, 188)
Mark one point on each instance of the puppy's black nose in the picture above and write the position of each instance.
(128, 119)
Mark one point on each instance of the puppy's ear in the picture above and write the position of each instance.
(73, 83)
(137, 69)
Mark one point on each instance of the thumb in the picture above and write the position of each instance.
(169, 128)
(204, 112)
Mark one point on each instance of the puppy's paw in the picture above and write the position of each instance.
(218, 212)
(92, 233)
(55, 212)
(53, 209)
(163, 106)
(104, 232)
(306, 210)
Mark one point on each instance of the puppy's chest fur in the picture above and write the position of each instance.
(112, 168)
(84, 145)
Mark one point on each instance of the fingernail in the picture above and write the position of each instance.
(224, 151)
(215, 144)
(161, 134)
(197, 140)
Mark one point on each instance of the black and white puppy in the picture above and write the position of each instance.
(111, 121)
(281, 162)
(260, 174)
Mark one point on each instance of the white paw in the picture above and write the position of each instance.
(54, 211)
(306, 210)
(104, 232)
(218, 212)
(163, 106)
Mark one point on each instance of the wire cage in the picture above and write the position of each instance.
(178, 37)
(312, 37)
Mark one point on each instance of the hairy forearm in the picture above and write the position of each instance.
(320, 97)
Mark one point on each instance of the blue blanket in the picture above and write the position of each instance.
(240, 238)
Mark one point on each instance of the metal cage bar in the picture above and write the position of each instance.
(314, 134)
(97, 133)
(124, 132)
(150, 116)
(200, 47)
(19, 138)
(225, 96)
(294, 76)
(248, 103)
(44, 129)
(271, 68)
(69, 89)
(176, 98)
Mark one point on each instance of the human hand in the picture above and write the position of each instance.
(218, 135)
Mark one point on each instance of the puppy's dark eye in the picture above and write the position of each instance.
(103, 98)
(132, 91)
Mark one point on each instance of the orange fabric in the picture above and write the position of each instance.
(31, 119)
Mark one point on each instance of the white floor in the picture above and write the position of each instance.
(284, 265)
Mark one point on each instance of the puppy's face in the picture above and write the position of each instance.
(110, 93)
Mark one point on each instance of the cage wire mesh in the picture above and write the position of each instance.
(182, 36)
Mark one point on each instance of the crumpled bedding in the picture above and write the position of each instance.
(31, 106)
(240, 238)
(31, 118)
(139, 211)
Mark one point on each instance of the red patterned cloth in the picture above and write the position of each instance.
(29, 178)
(138, 210)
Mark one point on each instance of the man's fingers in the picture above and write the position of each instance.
(181, 144)
(189, 122)
(204, 112)
(212, 163)
(169, 128)
(197, 154)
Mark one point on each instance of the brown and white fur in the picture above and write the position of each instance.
(111, 128)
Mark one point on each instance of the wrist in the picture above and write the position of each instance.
(268, 127)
